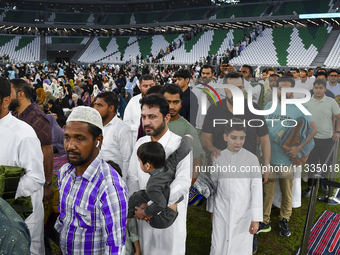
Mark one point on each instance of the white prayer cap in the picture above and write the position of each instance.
(86, 114)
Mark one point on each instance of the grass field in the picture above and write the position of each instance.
(199, 229)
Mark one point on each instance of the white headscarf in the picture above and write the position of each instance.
(95, 90)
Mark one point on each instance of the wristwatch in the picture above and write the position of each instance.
(46, 184)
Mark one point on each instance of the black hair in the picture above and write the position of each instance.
(183, 73)
(154, 90)
(21, 85)
(146, 77)
(264, 70)
(94, 131)
(297, 70)
(115, 167)
(5, 88)
(285, 78)
(251, 71)
(234, 124)
(110, 98)
(206, 67)
(172, 89)
(321, 73)
(232, 75)
(156, 100)
(333, 71)
(320, 82)
(152, 153)
(274, 75)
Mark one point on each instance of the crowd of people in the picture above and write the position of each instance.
(137, 139)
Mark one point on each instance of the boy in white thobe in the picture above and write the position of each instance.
(237, 205)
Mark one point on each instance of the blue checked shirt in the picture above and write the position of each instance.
(93, 210)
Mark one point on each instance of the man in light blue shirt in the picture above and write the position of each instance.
(332, 83)
(322, 109)
(282, 160)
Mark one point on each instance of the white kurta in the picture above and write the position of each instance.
(170, 241)
(237, 202)
(117, 144)
(132, 115)
(21, 148)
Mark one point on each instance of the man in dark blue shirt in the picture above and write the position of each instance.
(189, 101)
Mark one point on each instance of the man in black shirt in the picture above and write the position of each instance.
(212, 137)
(189, 101)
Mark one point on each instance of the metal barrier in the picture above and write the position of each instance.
(314, 198)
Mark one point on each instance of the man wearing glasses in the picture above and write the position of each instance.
(332, 83)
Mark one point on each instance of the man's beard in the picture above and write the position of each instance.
(156, 131)
(105, 117)
(80, 161)
(13, 105)
(333, 80)
(206, 80)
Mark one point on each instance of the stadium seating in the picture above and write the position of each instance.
(301, 7)
(18, 17)
(284, 47)
(66, 40)
(333, 59)
(103, 47)
(240, 11)
(20, 48)
(75, 18)
(144, 18)
(184, 15)
(118, 19)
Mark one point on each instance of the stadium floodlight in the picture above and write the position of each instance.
(336, 21)
(313, 22)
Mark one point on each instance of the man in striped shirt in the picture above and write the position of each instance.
(92, 196)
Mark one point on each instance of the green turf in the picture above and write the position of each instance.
(199, 228)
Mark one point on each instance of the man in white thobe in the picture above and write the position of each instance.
(303, 82)
(170, 241)
(117, 142)
(132, 110)
(21, 148)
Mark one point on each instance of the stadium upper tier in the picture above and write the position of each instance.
(241, 11)
(276, 47)
(284, 47)
(303, 7)
(20, 48)
(226, 11)
(333, 59)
